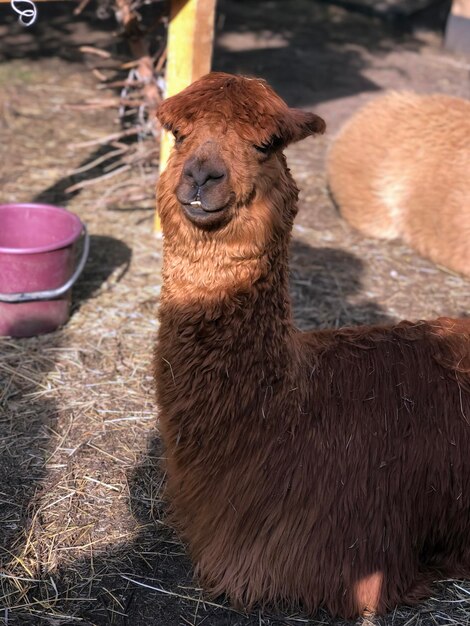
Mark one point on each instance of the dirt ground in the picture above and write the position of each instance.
(83, 538)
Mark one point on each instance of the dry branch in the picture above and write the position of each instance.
(136, 95)
(96, 51)
(140, 49)
(81, 6)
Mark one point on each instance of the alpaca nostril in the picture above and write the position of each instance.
(201, 175)
(204, 177)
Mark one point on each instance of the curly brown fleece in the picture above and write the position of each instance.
(328, 468)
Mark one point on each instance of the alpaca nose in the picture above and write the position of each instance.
(201, 173)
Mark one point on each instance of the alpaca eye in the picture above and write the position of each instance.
(270, 145)
(263, 148)
(178, 137)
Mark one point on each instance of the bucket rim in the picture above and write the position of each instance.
(77, 228)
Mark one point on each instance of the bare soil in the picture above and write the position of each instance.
(83, 537)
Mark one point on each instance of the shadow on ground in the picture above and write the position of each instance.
(322, 282)
(58, 192)
(107, 254)
(308, 51)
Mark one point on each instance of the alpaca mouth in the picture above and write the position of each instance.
(206, 216)
(197, 207)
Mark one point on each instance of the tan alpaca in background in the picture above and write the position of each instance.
(401, 168)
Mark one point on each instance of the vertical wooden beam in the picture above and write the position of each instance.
(189, 55)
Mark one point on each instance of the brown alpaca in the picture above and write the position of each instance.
(329, 468)
(401, 168)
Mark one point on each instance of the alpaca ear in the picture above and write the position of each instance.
(301, 124)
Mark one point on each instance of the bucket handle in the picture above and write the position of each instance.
(50, 294)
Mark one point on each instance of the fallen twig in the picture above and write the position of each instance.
(99, 75)
(104, 54)
(80, 7)
(105, 157)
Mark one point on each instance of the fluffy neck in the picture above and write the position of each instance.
(226, 333)
(215, 301)
(225, 309)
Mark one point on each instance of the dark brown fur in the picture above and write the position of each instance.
(328, 468)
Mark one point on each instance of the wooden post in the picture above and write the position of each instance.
(189, 55)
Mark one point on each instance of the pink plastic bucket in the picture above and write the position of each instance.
(37, 267)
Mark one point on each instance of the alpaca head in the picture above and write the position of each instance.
(229, 135)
